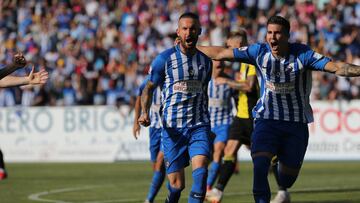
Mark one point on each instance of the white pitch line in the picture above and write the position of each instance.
(37, 196)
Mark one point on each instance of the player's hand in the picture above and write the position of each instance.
(136, 130)
(144, 119)
(38, 78)
(19, 60)
(220, 80)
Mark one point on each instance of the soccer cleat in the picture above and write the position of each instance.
(281, 197)
(147, 201)
(214, 196)
(3, 174)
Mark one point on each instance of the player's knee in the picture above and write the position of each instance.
(175, 188)
(231, 147)
(177, 182)
(261, 165)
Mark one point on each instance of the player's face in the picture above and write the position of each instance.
(188, 31)
(277, 39)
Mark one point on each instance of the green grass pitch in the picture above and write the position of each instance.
(127, 182)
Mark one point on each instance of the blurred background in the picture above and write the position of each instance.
(98, 52)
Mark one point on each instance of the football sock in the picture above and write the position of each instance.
(198, 189)
(261, 188)
(226, 171)
(174, 194)
(157, 180)
(2, 164)
(213, 171)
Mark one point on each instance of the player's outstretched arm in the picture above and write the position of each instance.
(37, 78)
(217, 53)
(343, 69)
(18, 62)
(245, 86)
(146, 99)
(137, 112)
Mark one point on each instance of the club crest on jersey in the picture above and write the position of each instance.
(289, 68)
(191, 72)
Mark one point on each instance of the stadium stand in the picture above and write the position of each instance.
(98, 52)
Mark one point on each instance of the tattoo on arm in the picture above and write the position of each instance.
(343, 69)
(242, 86)
(351, 70)
(146, 97)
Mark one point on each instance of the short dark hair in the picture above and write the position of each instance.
(237, 34)
(189, 15)
(280, 21)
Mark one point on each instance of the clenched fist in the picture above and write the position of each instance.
(19, 60)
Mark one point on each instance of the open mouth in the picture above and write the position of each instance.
(274, 45)
(189, 40)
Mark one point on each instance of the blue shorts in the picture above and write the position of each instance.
(221, 132)
(181, 144)
(155, 142)
(287, 140)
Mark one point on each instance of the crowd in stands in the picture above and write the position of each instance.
(97, 52)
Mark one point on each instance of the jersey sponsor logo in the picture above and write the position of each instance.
(217, 102)
(155, 107)
(188, 86)
(281, 88)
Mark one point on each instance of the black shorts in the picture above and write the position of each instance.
(241, 129)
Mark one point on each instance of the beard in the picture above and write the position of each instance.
(188, 43)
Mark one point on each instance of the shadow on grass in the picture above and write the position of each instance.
(325, 190)
(327, 201)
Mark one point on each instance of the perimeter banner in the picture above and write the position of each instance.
(104, 134)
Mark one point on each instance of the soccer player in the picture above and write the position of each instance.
(283, 111)
(220, 109)
(7, 80)
(183, 73)
(156, 154)
(242, 125)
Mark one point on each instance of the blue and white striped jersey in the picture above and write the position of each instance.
(220, 106)
(285, 84)
(155, 105)
(184, 81)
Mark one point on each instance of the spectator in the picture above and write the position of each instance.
(93, 44)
